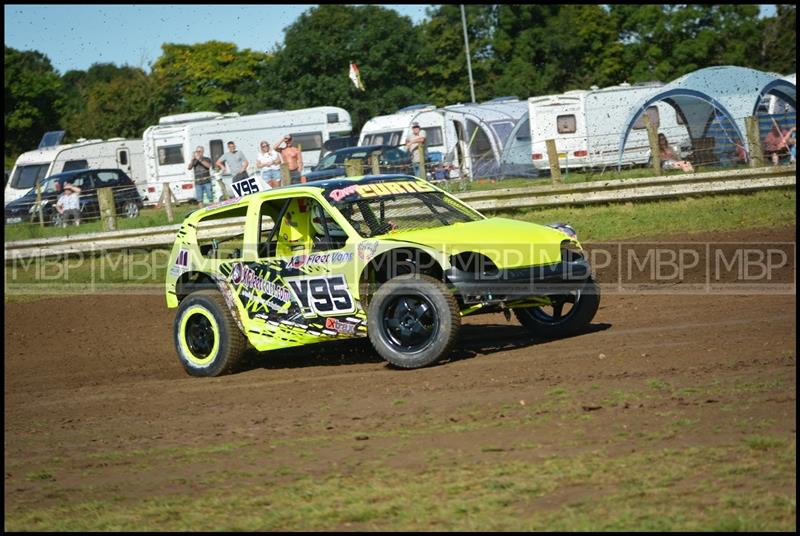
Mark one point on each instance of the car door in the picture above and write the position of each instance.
(304, 250)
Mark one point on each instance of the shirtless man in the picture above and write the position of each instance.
(293, 158)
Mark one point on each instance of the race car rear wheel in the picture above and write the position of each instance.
(413, 320)
(568, 314)
(207, 339)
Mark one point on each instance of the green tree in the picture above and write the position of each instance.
(122, 106)
(33, 91)
(779, 45)
(312, 66)
(205, 76)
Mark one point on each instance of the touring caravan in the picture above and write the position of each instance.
(51, 157)
(586, 126)
(169, 145)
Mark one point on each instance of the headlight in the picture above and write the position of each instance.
(564, 228)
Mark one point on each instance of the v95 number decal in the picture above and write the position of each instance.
(322, 296)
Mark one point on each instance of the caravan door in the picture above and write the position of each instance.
(170, 154)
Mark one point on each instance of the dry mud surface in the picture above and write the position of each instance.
(93, 387)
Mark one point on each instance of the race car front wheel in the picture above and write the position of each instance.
(206, 337)
(568, 313)
(413, 321)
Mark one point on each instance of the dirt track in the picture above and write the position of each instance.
(97, 374)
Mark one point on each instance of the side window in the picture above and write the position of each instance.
(216, 149)
(652, 112)
(297, 226)
(106, 178)
(82, 181)
(170, 154)
(221, 243)
(69, 165)
(309, 141)
(327, 234)
(271, 211)
(433, 136)
(565, 124)
(122, 157)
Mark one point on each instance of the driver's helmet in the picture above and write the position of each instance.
(333, 228)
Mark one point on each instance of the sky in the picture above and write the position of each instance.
(77, 36)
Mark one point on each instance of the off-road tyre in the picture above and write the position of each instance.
(207, 339)
(413, 321)
(544, 325)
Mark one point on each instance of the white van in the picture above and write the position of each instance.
(51, 157)
(587, 125)
(169, 145)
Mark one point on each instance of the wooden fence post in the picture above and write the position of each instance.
(754, 141)
(39, 202)
(108, 212)
(375, 162)
(353, 167)
(286, 177)
(421, 154)
(552, 157)
(655, 152)
(166, 201)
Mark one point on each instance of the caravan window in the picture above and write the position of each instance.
(69, 165)
(170, 154)
(122, 157)
(216, 148)
(652, 112)
(309, 141)
(26, 176)
(333, 118)
(433, 136)
(565, 124)
(385, 138)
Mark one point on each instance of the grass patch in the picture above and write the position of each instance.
(667, 490)
(764, 443)
(692, 215)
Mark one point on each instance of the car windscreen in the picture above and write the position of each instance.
(25, 176)
(378, 208)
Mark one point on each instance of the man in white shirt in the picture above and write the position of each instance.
(413, 141)
(69, 204)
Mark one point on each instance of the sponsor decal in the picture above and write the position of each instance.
(339, 326)
(181, 262)
(367, 249)
(322, 295)
(246, 276)
(378, 189)
(337, 257)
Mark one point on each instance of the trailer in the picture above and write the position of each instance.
(587, 124)
(168, 146)
(52, 157)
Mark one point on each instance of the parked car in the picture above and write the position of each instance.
(127, 200)
(390, 158)
(389, 257)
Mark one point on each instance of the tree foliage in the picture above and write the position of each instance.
(33, 99)
(515, 49)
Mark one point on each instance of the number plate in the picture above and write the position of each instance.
(13, 220)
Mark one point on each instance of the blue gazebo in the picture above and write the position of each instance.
(713, 103)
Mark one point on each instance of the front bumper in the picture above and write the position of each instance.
(520, 283)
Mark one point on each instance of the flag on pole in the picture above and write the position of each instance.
(355, 76)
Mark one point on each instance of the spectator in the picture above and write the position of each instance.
(413, 141)
(292, 157)
(669, 158)
(234, 163)
(775, 144)
(790, 139)
(202, 176)
(69, 204)
(269, 162)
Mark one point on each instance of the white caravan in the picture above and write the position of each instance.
(587, 124)
(51, 158)
(169, 145)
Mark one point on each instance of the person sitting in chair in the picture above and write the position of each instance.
(670, 159)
